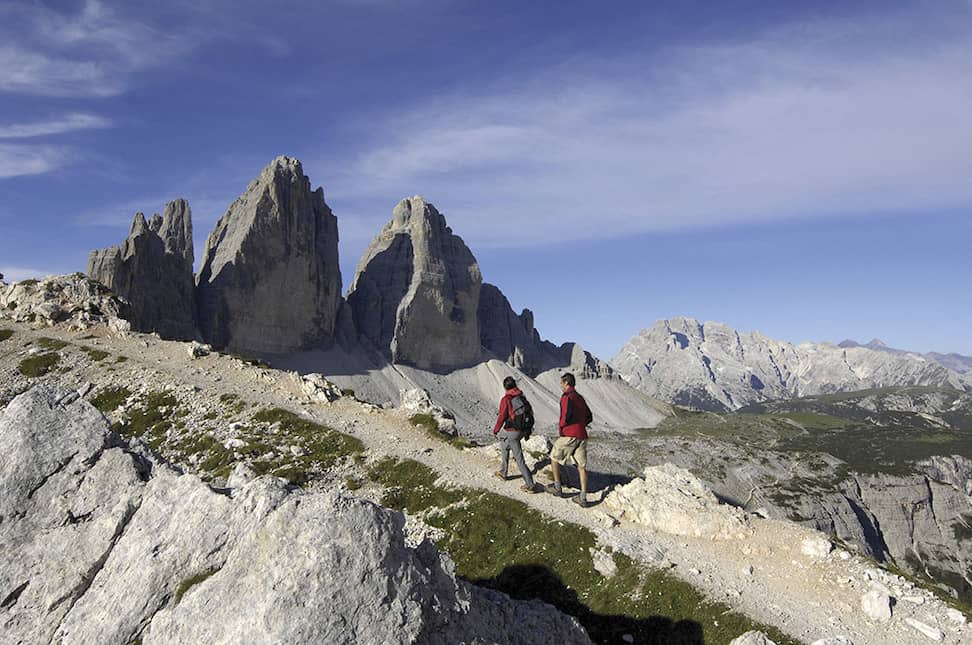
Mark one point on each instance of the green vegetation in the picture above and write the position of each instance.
(121, 359)
(191, 582)
(29, 282)
(51, 344)
(320, 447)
(866, 448)
(39, 364)
(504, 544)
(95, 355)
(428, 423)
(110, 398)
(234, 405)
(958, 593)
(347, 392)
(5, 334)
(12, 305)
(151, 420)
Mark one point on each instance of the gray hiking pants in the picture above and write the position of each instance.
(511, 443)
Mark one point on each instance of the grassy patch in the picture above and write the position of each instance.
(51, 344)
(506, 545)
(320, 447)
(38, 365)
(151, 420)
(110, 398)
(428, 423)
(234, 405)
(5, 334)
(95, 355)
(189, 583)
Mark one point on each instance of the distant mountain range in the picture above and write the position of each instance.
(711, 366)
(953, 361)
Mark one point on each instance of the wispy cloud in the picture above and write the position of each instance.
(818, 120)
(89, 53)
(60, 125)
(19, 160)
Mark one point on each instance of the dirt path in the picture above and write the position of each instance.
(765, 576)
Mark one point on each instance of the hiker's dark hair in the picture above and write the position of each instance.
(569, 379)
(509, 383)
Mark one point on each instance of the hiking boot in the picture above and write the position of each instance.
(553, 490)
(499, 475)
(580, 501)
(529, 489)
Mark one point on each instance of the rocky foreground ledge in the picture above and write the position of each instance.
(105, 543)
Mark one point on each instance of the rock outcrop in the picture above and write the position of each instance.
(415, 295)
(73, 299)
(671, 500)
(713, 367)
(103, 545)
(152, 270)
(270, 280)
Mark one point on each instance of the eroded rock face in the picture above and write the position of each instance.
(102, 545)
(152, 270)
(415, 295)
(711, 366)
(270, 280)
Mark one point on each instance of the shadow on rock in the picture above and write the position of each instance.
(526, 582)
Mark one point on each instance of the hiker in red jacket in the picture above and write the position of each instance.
(575, 416)
(511, 435)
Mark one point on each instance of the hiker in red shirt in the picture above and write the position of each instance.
(512, 401)
(575, 416)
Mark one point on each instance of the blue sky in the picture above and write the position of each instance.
(800, 169)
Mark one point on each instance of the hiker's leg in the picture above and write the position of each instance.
(555, 467)
(580, 456)
(514, 441)
(504, 464)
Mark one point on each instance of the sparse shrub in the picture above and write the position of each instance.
(5, 334)
(39, 364)
(29, 282)
(121, 359)
(95, 355)
(51, 344)
(110, 398)
(347, 392)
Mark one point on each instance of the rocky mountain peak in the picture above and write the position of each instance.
(712, 366)
(270, 280)
(418, 281)
(152, 269)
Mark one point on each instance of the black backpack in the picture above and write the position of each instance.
(522, 416)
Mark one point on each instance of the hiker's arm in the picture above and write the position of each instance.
(565, 411)
(504, 412)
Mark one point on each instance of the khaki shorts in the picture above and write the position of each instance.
(565, 447)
